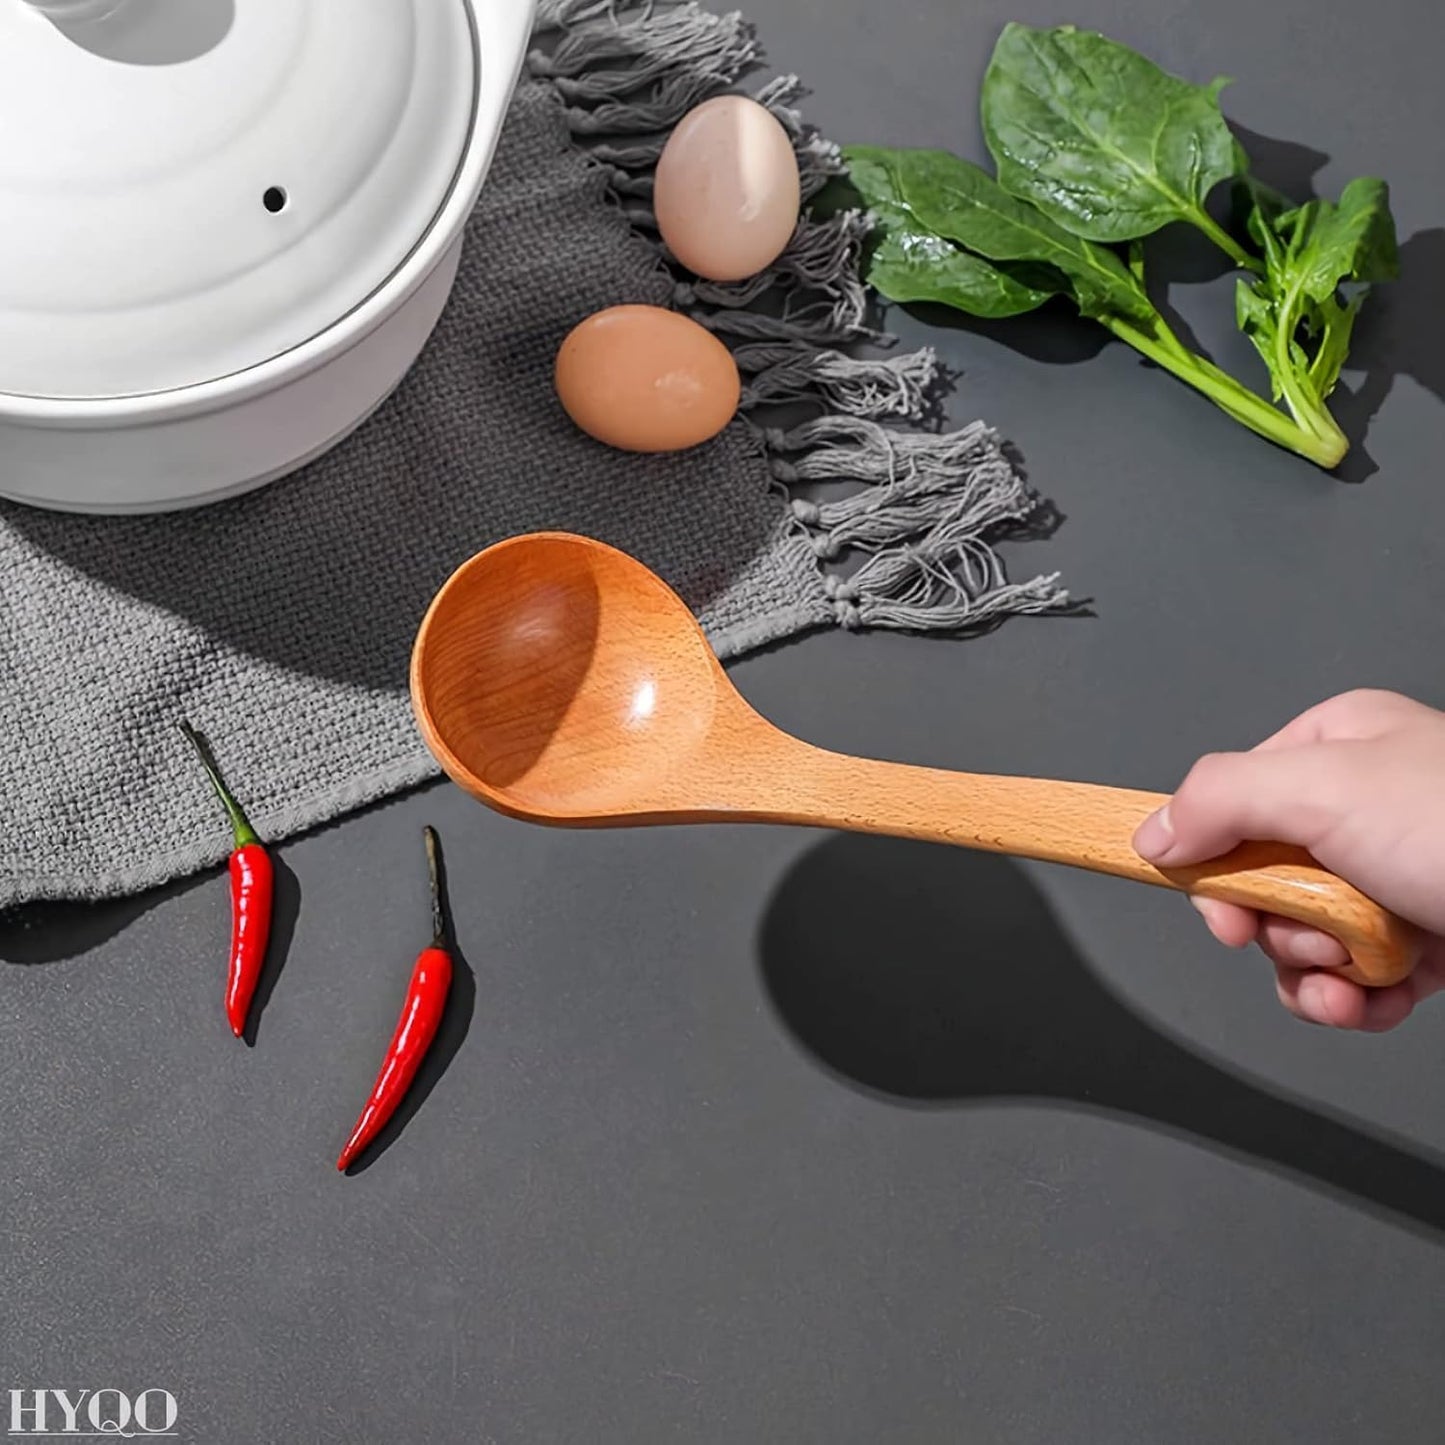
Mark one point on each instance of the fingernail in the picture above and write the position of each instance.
(1155, 838)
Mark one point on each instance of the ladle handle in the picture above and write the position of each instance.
(1092, 827)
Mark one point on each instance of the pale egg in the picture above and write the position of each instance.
(727, 192)
(643, 379)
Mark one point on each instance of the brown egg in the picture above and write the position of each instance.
(728, 192)
(647, 380)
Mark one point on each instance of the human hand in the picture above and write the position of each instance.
(1358, 781)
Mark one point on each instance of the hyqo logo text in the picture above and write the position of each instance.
(91, 1413)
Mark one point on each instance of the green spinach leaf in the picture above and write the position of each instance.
(870, 168)
(1335, 331)
(1096, 148)
(911, 263)
(956, 200)
(916, 266)
(1102, 140)
(1296, 307)
(1353, 240)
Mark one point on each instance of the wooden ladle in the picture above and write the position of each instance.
(560, 681)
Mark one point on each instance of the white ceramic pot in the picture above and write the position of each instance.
(229, 228)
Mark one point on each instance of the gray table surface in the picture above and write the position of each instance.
(780, 1137)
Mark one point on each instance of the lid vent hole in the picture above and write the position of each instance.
(275, 199)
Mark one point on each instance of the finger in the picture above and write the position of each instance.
(1289, 944)
(1322, 998)
(1387, 1008)
(1334, 1002)
(1429, 977)
(1297, 945)
(1234, 927)
(1325, 998)
(1293, 795)
(1286, 981)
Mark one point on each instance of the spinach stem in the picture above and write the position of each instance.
(1309, 411)
(1318, 438)
(1225, 241)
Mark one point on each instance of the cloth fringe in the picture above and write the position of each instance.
(923, 510)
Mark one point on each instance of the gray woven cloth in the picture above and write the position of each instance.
(281, 623)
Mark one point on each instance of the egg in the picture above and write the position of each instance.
(728, 192)
(643, 379)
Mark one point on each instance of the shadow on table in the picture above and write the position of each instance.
(940, 977)
(1394, 337)
(49, 932)
(36, 933)
(333, 584)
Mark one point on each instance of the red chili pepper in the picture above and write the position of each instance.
(252, 887)
(421, 1016)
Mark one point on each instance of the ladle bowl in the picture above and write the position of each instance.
(559, 681)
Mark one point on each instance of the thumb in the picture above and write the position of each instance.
(1289, 795)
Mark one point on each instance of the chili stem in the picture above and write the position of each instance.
(438, 905)
(242, 832)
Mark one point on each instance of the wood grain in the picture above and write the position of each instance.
(559, 681)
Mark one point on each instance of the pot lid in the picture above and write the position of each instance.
(190, 188)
